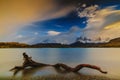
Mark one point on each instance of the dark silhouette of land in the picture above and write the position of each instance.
(111, 43)
(60, 67)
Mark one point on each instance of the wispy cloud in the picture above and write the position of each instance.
(88, 12)
(53, 33)
(65, 37)
(19, 36)
(102, 23)
(15, 14)
(52, 37)
(36, 33)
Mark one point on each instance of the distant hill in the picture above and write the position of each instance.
(13, 45)
(49, 45)
(111, 43)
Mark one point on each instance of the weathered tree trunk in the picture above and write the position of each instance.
(78, 67)
(28, 62)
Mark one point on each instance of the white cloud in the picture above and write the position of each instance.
(84, 5)
(65, 37)
(74, 29)
(53, 33)
(104, 23)
(19, 36)
(84, 22)
(36, 33)
(88, 11)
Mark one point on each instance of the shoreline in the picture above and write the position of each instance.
(59, 77)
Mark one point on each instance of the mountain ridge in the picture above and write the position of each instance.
(112, 43)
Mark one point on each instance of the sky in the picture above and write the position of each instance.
(58, 21)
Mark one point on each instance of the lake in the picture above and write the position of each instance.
(107, 58)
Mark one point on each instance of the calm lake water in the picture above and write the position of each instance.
(107, 58)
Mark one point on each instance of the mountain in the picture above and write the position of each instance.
(49, 45)
(116, 40)
(111, 43)
(88, 40)
(48, 41)
(83, 40)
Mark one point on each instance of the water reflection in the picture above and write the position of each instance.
(107, 58)
(28, 73)
(29, 67)
(55, 55)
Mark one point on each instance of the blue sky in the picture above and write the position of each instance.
(61, 21)
(61, 24)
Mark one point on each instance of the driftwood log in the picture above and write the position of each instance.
(28, 62)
